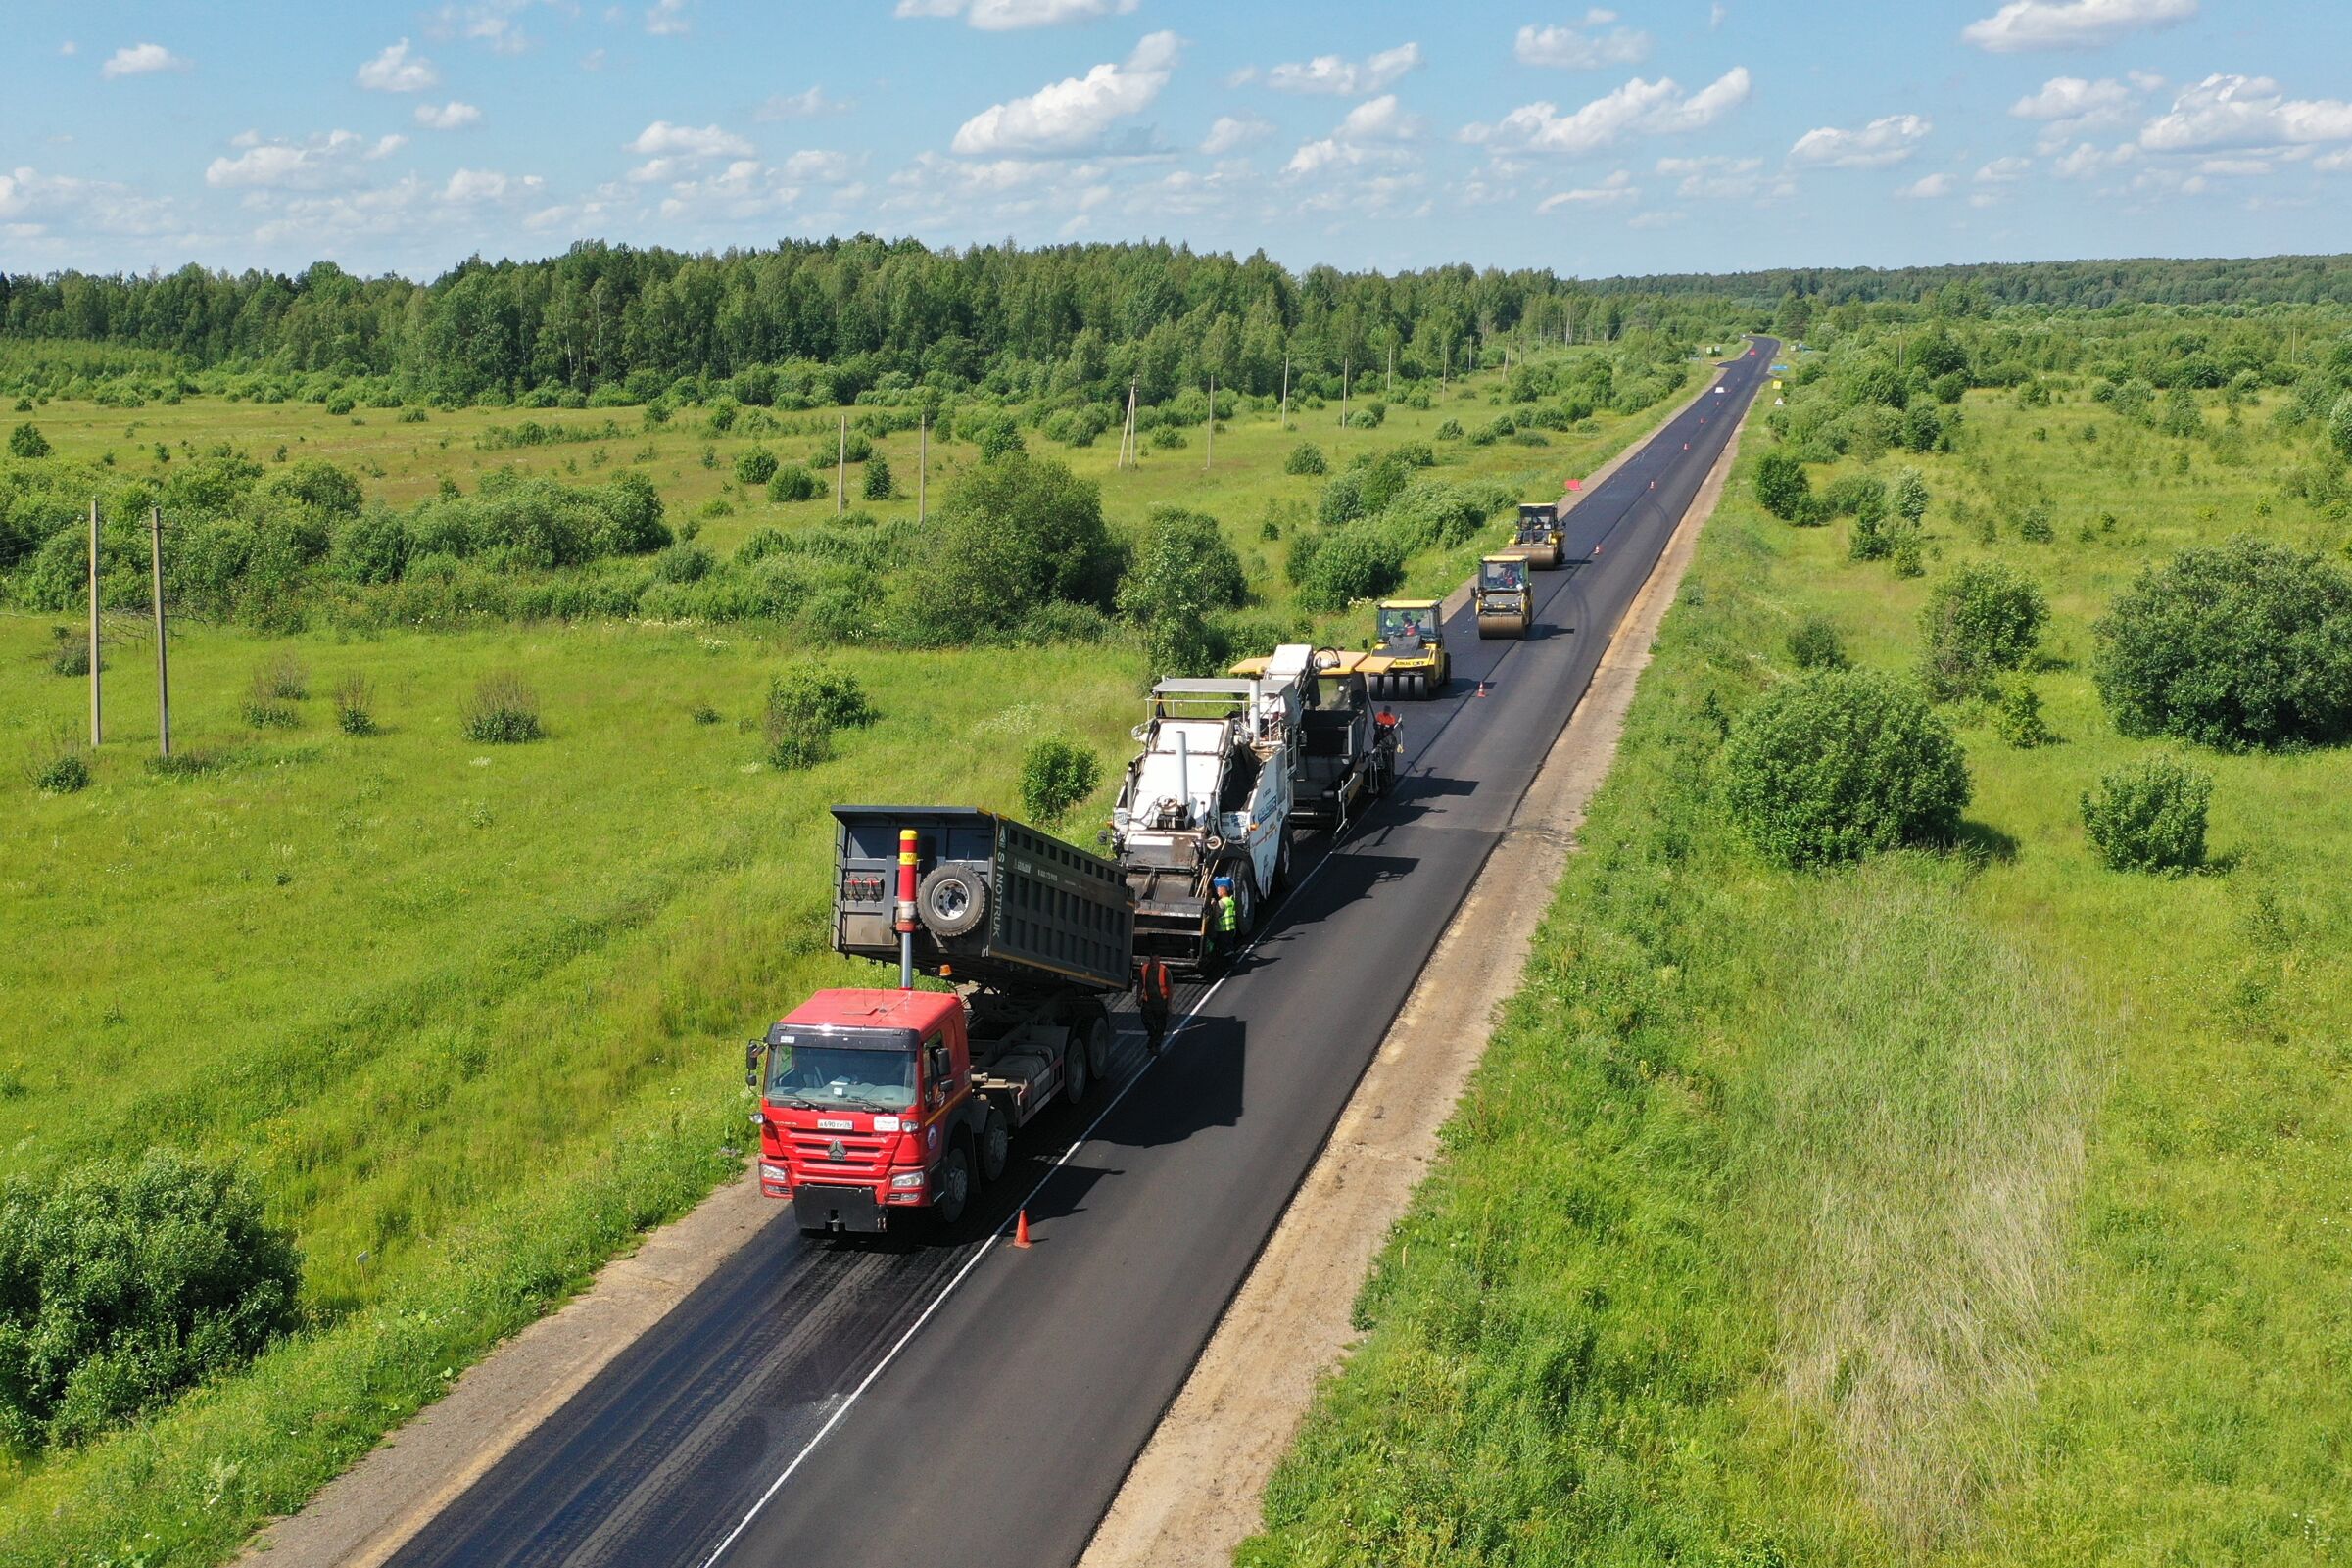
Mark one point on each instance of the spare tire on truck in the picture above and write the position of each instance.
(952, 901)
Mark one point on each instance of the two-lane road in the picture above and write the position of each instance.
(827, 1403)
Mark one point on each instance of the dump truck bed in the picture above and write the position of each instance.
(1052, 914)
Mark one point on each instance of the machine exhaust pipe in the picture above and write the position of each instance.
(906, 923)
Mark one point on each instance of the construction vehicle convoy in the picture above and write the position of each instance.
(1408, 655)
(1505, 607)
(878, 1105)
(1346, 756)
(1204, 813)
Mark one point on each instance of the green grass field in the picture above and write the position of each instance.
(471, 1013)
(1982, 1206)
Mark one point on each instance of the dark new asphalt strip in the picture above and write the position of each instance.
(983, 1403)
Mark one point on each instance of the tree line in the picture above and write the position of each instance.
(1084, 319)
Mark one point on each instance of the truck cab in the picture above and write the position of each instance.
(863, 1094)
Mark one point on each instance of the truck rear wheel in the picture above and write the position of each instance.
(1078, 1073)
(951, 1186)
(995, 1146)
(1098, 1046)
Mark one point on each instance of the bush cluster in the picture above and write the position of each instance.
(1183, 574)
(1838, 765)
(1982, 621)
(121, 1284)
(805, 709)
(504, 710)
(1055, 776)
(2246, 643)
(2149, 816)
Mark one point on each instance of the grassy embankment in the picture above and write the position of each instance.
(470, 1013)
(1977, 1207)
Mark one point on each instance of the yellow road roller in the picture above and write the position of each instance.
(1505, 606)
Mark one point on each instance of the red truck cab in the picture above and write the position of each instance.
(864, 1100)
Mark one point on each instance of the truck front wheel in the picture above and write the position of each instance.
(995, 1146)
(951, 1186)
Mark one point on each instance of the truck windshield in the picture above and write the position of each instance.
(862, 1070)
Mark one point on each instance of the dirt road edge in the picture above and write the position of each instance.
(1194, 1494)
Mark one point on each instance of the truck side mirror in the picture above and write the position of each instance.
(752, 1050)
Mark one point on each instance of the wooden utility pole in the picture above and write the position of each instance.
(1127, 432)
(923, 469)
(163, 658)
(1211, 443)
(840, 471)
(1345, 371)
(1285, 389)
(97, 727)
(1445, 362)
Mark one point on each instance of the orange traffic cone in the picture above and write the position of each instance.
(1020, 1230)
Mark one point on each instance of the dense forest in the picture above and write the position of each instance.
(1972, 289)
(833, 318)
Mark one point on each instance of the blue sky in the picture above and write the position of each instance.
(1690, 135)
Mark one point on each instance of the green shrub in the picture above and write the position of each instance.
(1182, 573)
(28, 442)
(1304, 459)
(355, 704)
(2239, 644)
(122, 1283)
(502, 711)
(1814, 645)
(1017, 532)
(1167, 438)
(1450, 430)
(1358, 562)
(878, 481)
(2017, 714)
(2149, 816)
(1982, 620)
(684, 563)
(71, 653)
(1911, 497)
(1838, 765)
(1782, 487)
(792, 482)
(805, 709)
(756, 465)
(1055, 776)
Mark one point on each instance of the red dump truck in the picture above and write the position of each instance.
(878, 1105)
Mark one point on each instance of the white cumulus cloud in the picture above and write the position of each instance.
(397, 71)
(1346, 78)
(1639, 107)
(1585, 47)
(812, 104)
(487, 185)
(1618, 187)
(2244, 112)
(1359, 136)
(2025, 24)
(2072, 98)
(1889, 139)
(2001, 171)
(664, 139)
(1074, 115)
(668, 18)
(1927, 186)
(314, 163)
(140, 60)
(1005, 16)
(452, 115)
(1233, 132)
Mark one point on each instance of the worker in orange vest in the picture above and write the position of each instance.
(1154, 992)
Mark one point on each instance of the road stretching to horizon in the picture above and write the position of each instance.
(823, 1402)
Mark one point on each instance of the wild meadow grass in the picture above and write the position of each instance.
(1972, 1207)
(470, 1010)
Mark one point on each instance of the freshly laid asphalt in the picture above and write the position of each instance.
(824, 1403)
